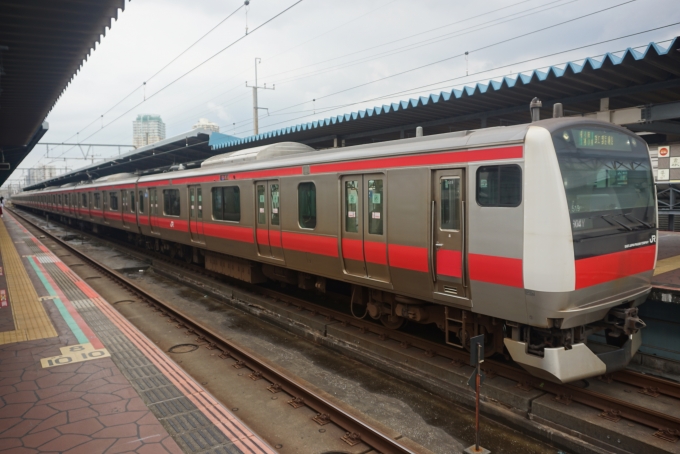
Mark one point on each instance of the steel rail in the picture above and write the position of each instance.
(611, 407)
(327, 411)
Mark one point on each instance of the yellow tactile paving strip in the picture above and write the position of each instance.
(30, 319)
(666, 265)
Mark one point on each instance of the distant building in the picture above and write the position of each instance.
(204, 123)
(147, 129)
(40, 173)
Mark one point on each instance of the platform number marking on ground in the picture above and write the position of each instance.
(74, 354)
(3, 298)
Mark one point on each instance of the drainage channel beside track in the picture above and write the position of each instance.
(664, 426)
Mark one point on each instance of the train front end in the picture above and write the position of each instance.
(590, 247)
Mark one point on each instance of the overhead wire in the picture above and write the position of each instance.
(430, 86)
(194, 68)
(459, 55)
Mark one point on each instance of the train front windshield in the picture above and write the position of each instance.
(608, 180)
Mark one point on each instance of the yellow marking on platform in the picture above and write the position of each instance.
(74, 354)
(666, 265)
(30, 319)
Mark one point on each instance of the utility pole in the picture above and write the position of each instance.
(256, 128)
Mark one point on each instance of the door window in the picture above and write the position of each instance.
(199, 196)
(141, 201)
(261, 214)
(192, 202)
(132, 201)
(274, 188)
(352, 206)
(450, 203)
(113, 201)
(375, 207)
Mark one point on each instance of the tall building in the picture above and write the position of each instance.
(147, 129)
(41, 173)
(204, 123)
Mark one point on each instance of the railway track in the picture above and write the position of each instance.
(664, 426)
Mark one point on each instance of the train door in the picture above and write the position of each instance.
(196, 214)
(448, 257)
(124, 208)
(268, 227)
(153, 210)
(364, 244)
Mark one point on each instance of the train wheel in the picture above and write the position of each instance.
(392, 321)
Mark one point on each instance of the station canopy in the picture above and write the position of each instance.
(644, 80)
(43, 45)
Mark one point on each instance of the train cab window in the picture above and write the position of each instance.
(499, 186)
(449, 211)
(84, 200)
(226, 202)
(306, 205)
(352, 206)
(113, 201)
(141, 201)
(375, 207)
(171, 205)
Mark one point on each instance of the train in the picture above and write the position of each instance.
(536, 235)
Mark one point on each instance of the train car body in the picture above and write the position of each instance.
(536, 235)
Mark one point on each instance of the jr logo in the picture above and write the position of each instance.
(652, 239)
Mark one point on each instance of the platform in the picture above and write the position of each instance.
(77, 377)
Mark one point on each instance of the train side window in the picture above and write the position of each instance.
(113, 201)
(499, 186)
(351, 206)
(84, 202)
(141, 201)
(449, 188)
(132, 202)
(97, 200)
(307, 205)
(226, 203)
(59, 199)
(375, 207)
(171, 205)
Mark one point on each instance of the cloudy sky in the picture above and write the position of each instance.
(346, 55)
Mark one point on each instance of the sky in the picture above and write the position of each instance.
(324, 57)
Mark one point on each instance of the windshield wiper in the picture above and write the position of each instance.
(646, 224)
(604, 216)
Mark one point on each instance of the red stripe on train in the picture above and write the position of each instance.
(275, 238)
(421, 160)
(409, 257)
(352, 249)
(229, 232)
(608, 267)
(496, 270)
(262, 237)
(375, 252)
(315, 244)
(449, 263)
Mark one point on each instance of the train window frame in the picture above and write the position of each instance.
(497, 203)
(113, 197)
(300, 214)
(167, 203)
(222, 190)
